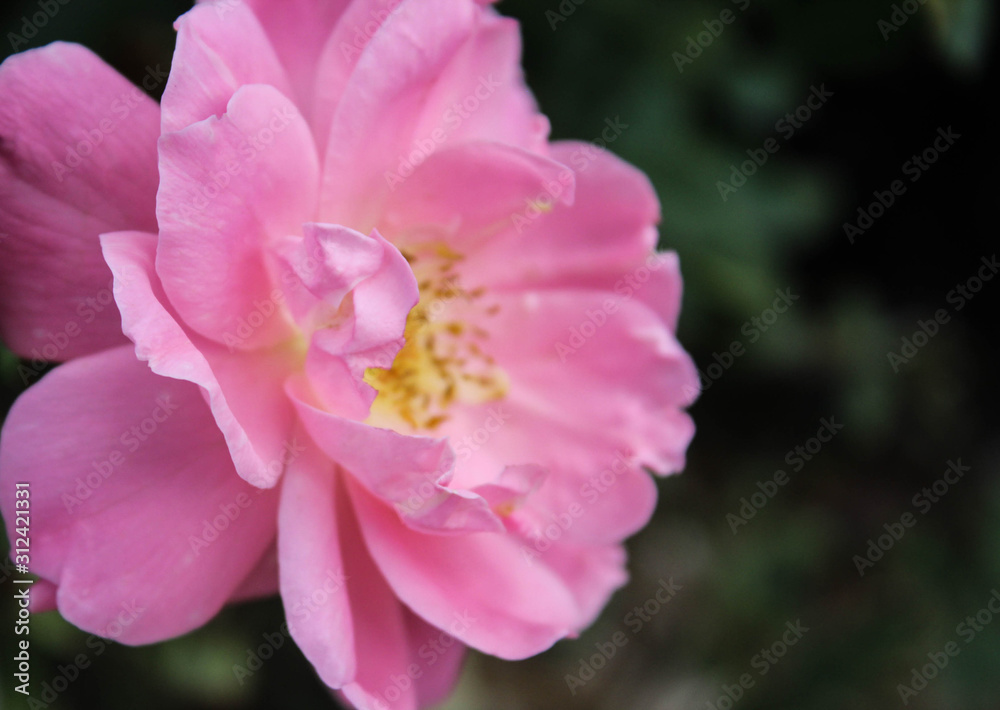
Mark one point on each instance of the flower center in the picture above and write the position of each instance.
(444, 358)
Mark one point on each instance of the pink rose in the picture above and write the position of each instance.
(392, 353)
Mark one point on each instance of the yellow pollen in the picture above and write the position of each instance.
(439, 363)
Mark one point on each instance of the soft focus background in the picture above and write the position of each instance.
(827, 357)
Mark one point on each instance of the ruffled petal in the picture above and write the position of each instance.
(229, 188)
(441, 578)
(220, 47)
(245, 390)
(410, 473)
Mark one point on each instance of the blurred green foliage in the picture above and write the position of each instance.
(826, 357)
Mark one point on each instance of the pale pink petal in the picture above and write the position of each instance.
(310, 556)
(481, 94)
(410, 473)
(586, 338)
(220, 47)
(298, 31)
(318, 272)
(448, 199)
(380, 632)
(245, 390)
(77, 158)
(594, 492)
(444, 577)
(606, 234)
(229, 187)
(438, 657)
(591, 572)
(330, 260)
(360, 21)
(125, 520)
(376, 118)
(595, 439)
(340, 611)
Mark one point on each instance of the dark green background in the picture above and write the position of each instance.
(826, 357)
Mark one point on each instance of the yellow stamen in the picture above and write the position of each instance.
(438, 364)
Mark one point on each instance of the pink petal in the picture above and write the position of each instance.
(444, 578)
(360, 21)
(481, 94)
(600, 239)
(409, 472)
(348, 335)
(262, 580)
(447, 198)
(231, 186)
(377, 115)
(330, 260)
(592, 572)
(298, 31)
(593, 492)
(340, 611)
(245, 390)
(594, 439)
(586, 338)
(220, 47)
(310, 556)
(43, 596)
(76, 159)
(381, 644)
(135, 504)
(438, 657)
